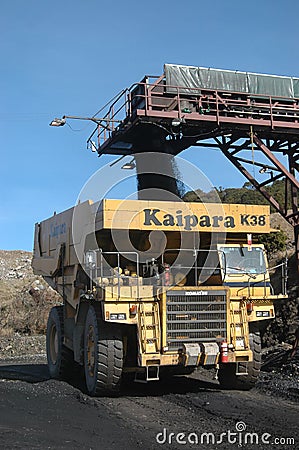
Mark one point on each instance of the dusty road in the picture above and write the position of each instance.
(38, 413)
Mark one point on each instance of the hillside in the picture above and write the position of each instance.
(246, 194)
(25, 300)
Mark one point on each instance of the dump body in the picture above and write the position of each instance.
(177, 282)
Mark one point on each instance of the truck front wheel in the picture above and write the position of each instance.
(227, 372)
(60, 358)
(103, 355)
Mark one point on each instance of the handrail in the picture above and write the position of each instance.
(237, 104)
(284, 274)
(97, 269)
(198, 269)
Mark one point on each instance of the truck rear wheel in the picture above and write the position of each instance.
(60, 358)
(103, 356)
(227, 372)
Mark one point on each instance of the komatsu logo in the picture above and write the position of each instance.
(196, 292)
(188, 222)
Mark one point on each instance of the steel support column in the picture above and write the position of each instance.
(232, 152)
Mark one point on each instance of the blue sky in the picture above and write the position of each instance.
(73, 56)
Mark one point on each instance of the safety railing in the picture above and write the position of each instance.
(284, 274)
(200, 272)
(257, 278)
(252, 281)
(173, 269)
(152, 97)
(101, 273)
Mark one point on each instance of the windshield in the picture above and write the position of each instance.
(238, 260)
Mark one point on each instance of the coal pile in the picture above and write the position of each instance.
(280, 372)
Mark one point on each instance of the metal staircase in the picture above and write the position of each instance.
(149, 327)
(239, 333)
(239, 325)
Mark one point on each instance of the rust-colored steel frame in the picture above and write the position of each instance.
(273, 167)
(231, 151)
(235, 122)
(153, 101)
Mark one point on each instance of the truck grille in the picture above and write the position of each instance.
(195, 316)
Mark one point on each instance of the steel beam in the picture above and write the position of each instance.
(231, 151)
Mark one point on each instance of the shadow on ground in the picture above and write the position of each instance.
(31, 373)
(37, 373)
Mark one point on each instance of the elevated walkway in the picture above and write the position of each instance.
(186, 115)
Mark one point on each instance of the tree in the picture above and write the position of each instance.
(246, 195)
(273, 242)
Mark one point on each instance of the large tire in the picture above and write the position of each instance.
(60, 358)
(103, 356)
(227, 372)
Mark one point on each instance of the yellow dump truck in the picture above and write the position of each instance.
(155, 288)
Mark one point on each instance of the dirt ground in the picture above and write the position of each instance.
(39, 413)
